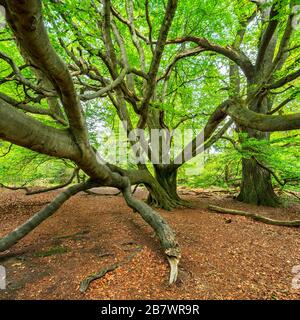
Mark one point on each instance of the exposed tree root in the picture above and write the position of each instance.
(256, 217)
(86, 282)
(164, 232)
(21, 231)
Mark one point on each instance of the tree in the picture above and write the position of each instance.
(148, 99)
(58, 80)
(276, 56)
(72, 142)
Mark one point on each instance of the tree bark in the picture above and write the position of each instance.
(163, 192)
(256, 187)
(163, 231)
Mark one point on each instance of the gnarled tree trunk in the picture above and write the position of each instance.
(163, 192)
(256, 187)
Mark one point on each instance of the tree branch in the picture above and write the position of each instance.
(236, 56)
(21, 231)
(262, 122)
(26, 21)
(25, 131)
(267, 36)
(256, 217)
(159, 48)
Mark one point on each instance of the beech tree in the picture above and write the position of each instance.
(145, 98)
(64, 60)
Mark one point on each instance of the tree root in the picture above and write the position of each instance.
(166, 202)
(87, 281)
(256, 217)
(164, 232)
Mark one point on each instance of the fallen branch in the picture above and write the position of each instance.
(256, 217)
(86, 282)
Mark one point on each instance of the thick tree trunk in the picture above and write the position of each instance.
(163, 191)
(256, 185)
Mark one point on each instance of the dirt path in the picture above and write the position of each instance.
(223, 257)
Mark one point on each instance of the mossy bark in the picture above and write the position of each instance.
(256, 187)
(163, 192)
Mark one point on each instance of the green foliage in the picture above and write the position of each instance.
(223, 163)
(197, 85)
(22, 166)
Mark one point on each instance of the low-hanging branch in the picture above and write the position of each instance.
(60, 186)
(165, 234)
(266, 123)
(256, 217)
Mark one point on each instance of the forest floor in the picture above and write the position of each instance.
(223, 256)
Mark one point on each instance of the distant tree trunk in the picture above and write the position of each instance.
(256, 187)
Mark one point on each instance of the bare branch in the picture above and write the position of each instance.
(163, 33)
(236, 56)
